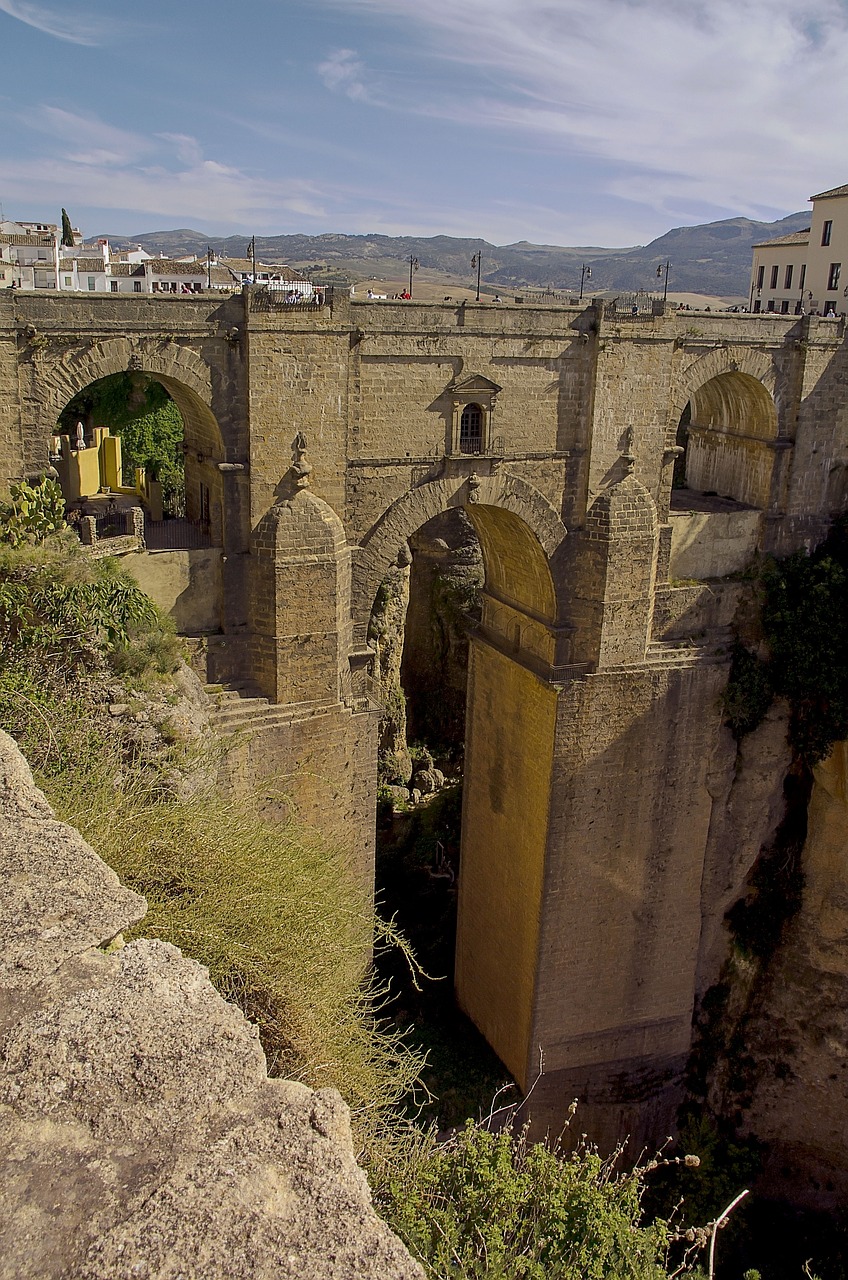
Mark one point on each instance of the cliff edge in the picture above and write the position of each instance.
(141, 1136)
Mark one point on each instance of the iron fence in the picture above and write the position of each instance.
(176, 535)
(263, 298)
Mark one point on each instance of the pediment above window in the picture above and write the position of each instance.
(475, 387)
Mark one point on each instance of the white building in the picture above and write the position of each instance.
(33, 257)
(806, 271)
(30, 254)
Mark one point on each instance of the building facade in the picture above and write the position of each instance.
(806, 272)
(32, 256)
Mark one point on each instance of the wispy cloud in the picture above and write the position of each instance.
(344, 72)
(741, 103)
(72, 27)
(165, 175)
(86, 139)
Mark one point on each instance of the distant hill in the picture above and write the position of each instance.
(713, 258)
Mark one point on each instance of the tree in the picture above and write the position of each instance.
(67, 230)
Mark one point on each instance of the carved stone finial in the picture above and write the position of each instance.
(626, 455)
(301, 467)
(134, 363)
(473, 486)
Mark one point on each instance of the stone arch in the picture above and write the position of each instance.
(185, 377)
(181, 371)
(516, 524)
(754, 364)
(732, 426)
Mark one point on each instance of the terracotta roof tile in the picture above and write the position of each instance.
(834, 191)
(244, 266)
(7, 237)
(171, 267)
(795, 237)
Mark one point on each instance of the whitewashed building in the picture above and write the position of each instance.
(806, 272)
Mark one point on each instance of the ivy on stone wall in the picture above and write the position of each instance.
(805, 628)
(805, 620)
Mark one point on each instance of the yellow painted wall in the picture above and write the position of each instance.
(509, 750)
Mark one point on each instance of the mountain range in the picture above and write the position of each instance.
(713, 258)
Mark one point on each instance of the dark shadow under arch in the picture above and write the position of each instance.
(728, 440)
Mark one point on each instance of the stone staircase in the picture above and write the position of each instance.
(239, 706)
(676, 655)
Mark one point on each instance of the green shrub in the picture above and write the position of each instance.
(496, 1205)
(805, 618)
(749, 691)
(65, 610)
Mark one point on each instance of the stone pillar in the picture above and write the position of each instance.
(299, 611)
(88, 531)
(615, 571)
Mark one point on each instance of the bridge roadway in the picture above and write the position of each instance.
(597, 864)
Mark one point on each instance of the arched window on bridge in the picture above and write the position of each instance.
(471, 429)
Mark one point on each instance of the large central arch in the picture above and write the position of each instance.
(509, 746)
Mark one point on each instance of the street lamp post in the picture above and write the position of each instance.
(414, 264)
(660, 270)
(585, 274)
(477, 261)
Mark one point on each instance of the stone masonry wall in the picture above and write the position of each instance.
(141, 1136)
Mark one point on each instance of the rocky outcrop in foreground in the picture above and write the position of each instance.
(139, 1133)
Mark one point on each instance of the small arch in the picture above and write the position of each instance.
(181, 371)
(754, 364)
(728, 437)
(737, 404)
(186, 379)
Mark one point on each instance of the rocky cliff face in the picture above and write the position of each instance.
(141, 1136)
(770, 1058)
(798, 1029)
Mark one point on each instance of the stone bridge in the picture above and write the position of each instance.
(595, 875)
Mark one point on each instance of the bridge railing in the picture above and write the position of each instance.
(570, 671)
(634, 306)
(361, 692)
(264, 299)
(152, 535)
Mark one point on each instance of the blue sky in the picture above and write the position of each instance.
(591, 122)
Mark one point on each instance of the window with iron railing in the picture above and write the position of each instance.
(471, 429)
